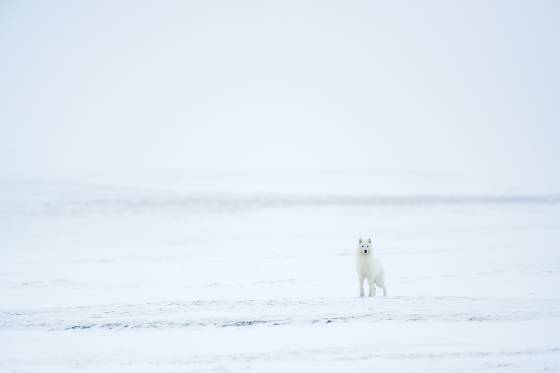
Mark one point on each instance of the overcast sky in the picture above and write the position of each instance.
(459, 87)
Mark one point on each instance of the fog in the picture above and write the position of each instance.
(463, 91)
(183, 186)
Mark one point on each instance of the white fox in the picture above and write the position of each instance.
(370, 267)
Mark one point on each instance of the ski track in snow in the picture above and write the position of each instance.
(269, 313)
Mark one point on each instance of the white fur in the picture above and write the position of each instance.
(369, 267)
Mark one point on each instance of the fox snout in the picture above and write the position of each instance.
(365, 251)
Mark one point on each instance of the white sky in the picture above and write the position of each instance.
(458, 87)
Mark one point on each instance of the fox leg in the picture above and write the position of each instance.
(371, 288)
(361, 285)
(381, 284)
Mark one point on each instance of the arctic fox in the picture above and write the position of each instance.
(370, 267)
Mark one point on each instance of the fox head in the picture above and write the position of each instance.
(364, 246)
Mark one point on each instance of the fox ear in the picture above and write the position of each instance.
(369, 240)
(360, 241)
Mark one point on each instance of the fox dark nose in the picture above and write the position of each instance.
(365, 251)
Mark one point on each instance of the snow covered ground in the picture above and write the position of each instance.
(97, 278)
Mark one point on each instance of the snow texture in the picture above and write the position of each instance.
(117, 279)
